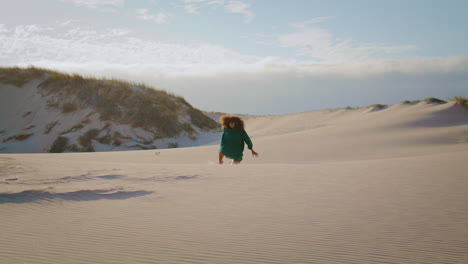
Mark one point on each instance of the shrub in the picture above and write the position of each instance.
(460, 100)
(69, 107)
(59, 145)
(116, 142)
(107, 139)
(117, 138)
(75, 148)
(378, 106)
(410, 102)
(85, 140)
(434, 100)
(20, 137)
(173, 145)
(73, 129)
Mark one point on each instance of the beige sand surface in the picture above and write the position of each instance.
(331, 186)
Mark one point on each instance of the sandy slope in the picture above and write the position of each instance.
(331, 186)
(28, 111)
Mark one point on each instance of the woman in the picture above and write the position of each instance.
(232, 141)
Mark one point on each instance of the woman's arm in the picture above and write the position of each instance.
(247, 140)
(249, 144)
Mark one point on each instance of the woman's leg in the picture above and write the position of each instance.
(237, 161)
(221, 156)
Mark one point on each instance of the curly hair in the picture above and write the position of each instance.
(226, 119)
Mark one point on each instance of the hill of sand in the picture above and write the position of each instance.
(331, 186)
(44, 111)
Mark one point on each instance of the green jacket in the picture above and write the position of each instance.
(232, 143)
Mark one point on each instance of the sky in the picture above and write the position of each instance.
(253, 57)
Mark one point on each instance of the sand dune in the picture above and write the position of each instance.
(331, 186)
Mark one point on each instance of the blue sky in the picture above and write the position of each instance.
(258, 56)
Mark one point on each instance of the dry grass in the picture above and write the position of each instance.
(122, 102)
(73, 129)
(460, 100)
(20, 137)
(27, 114)
(198, 118)
(86, 139)
(20, 76)
(69, 107)
(434, 100)
(410, 102)
(378, 106)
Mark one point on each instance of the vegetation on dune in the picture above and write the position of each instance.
(75, 148)
(410, 102)
(86, 139)
(378, 106)
(114, 139)
(69, 107)
(59, 145)
(173, 145)
(20, 76)
(73, 129)
(122, 102)
(20, 137)
(434, 100)
(198, 118)
(460, 100)
(26, 114)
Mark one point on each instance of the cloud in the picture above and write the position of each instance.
(307, 23)
(117, 50)
(231, 6)
(79, 49)
(95, 3)
(3, 28)
(191, 9)
(240, 7)
(359, 69)
(320, 44)
(159, 18)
